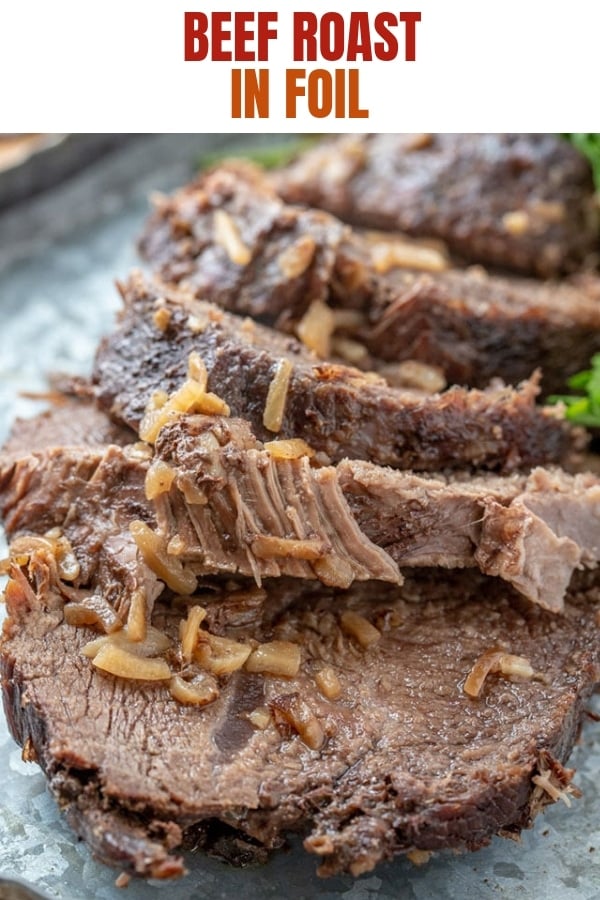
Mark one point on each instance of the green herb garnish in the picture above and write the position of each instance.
(583, 408)
(589, 144)
(269, 156)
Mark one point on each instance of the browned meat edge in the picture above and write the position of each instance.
(336, 409)
(463, 188)
(472, 325)
(475, 326)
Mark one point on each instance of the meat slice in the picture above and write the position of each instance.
(520, 201)
(70, 422)
(222, 504)
(475, 326)
(232, 240)
(256, 514)
(472, 325)
(91, 495)
(337, 409)
(407, 760)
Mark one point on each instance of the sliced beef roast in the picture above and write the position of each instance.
(88, 496)
(471, 325)
(474, 326)
(232, 240)
(521, 201)
(169, 699)
(222, 503)
(397, 757)
(69, 422)
(336, 409)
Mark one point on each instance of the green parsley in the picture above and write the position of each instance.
(270, 156)
(589, 144)
(583, 408)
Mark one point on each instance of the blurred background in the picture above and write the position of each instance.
(53, 184)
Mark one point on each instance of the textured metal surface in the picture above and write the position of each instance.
(61, 255)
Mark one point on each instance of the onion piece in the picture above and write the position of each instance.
(292, 710)
(295, 259)
(359, 628)
(117, 661)
(189, 631)
(200, 691)
(221, 655)
(159, 478)
(275, 658)
(168, 568)
(328, 683)
(267, 546)
(227, 234)
(277, 396)
(292, 448)
(316, 327)
(496, 660)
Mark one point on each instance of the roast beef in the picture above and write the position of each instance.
(68, 422)
(336, 409)
(475, 326)
(472, 325)
(232, 241)
(406, 759)
(415, 713)
(520, 201)
(232, 506)
(91, 495)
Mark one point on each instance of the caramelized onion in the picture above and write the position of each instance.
(294, 711)
(392, 254)
(267, 546)
(221, 655)
(496, 660)
(293, 448)
(155, 643)
(200, 691)
(189, 631)
(159, 478)
(228, 236)
(124, 664)
(277, 396)
(168, 568)
(328, 683)
(275, 658)
(316, 327)
(359, 628)
(296, 258)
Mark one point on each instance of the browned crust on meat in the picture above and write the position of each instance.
(336, 409)
(463, 188)
(471, 325)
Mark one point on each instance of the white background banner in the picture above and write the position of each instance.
(518, 65)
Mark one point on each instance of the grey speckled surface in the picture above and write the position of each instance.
(58, 260)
